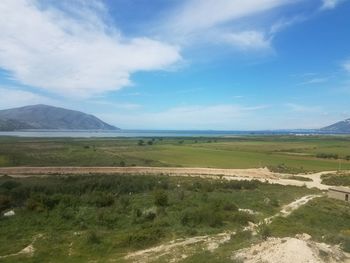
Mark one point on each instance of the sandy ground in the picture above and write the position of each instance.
(261, 174)
(291, 250)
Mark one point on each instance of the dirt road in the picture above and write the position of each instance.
(261, 174)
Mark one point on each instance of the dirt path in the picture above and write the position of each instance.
(179, 249)
(25, 171)
(27, 251)
(260, 174)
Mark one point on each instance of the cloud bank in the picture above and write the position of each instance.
(73, 53)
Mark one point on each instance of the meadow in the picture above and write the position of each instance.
(291, 154)
(96, 217)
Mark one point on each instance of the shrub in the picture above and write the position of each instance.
(264, 231)
(9, 185)
(327, 155)
(144, 237)
(204, 215)
(34, 205)
(92, 238)
(160, 198)
(243, 218)
(230, 206)
(5, 202)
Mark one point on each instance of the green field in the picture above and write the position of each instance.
(102, 218)
(294, 153)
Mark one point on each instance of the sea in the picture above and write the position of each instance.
(156, 133)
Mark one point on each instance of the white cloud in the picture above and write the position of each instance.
(73, 53)
(330, 4)
(203, 14)
(11, 97)
(247, 40)
(232, 22)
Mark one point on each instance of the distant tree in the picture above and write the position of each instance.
(150, 142)
(140, 143)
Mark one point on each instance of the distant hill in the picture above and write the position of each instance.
(46, 117)
(342, 126)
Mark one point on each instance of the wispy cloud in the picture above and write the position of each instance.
(346, 66)
(330, 4)
(316, 80)
(303, 108)
(220, 21)
(116, 105)
(286, 22)
(75, 51)
(247, 40)
(13, 97)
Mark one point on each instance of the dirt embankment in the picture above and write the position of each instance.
(300, 249)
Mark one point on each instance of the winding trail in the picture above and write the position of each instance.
(27, 251)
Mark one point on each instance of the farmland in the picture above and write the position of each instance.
(281, 153)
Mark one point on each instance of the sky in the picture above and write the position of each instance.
(180, 64)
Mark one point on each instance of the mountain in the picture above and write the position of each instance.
(342, 127)
(46, 117)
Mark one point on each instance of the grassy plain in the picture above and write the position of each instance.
(87, 218)
(294, 153)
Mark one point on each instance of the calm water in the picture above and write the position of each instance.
(150, 133)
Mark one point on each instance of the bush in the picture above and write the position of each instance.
(327, 156)
(264, 231)
(93, 238)
(340, 179)
(243, 218)
(160, 198)
(5, 202)
(230, 206)
(9, 185)
(34, 205)
(205, 216)
(144, 237)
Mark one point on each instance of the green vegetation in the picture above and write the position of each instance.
(326, 220)
(300, 178)
(328, 156)
(339, 179)
(94, 217)
(286, 154)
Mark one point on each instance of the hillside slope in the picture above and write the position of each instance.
(50, 118)
(342, 126)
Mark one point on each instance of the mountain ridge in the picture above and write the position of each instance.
(46, 117)
(341, 127)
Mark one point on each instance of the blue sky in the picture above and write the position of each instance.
(180, 64)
